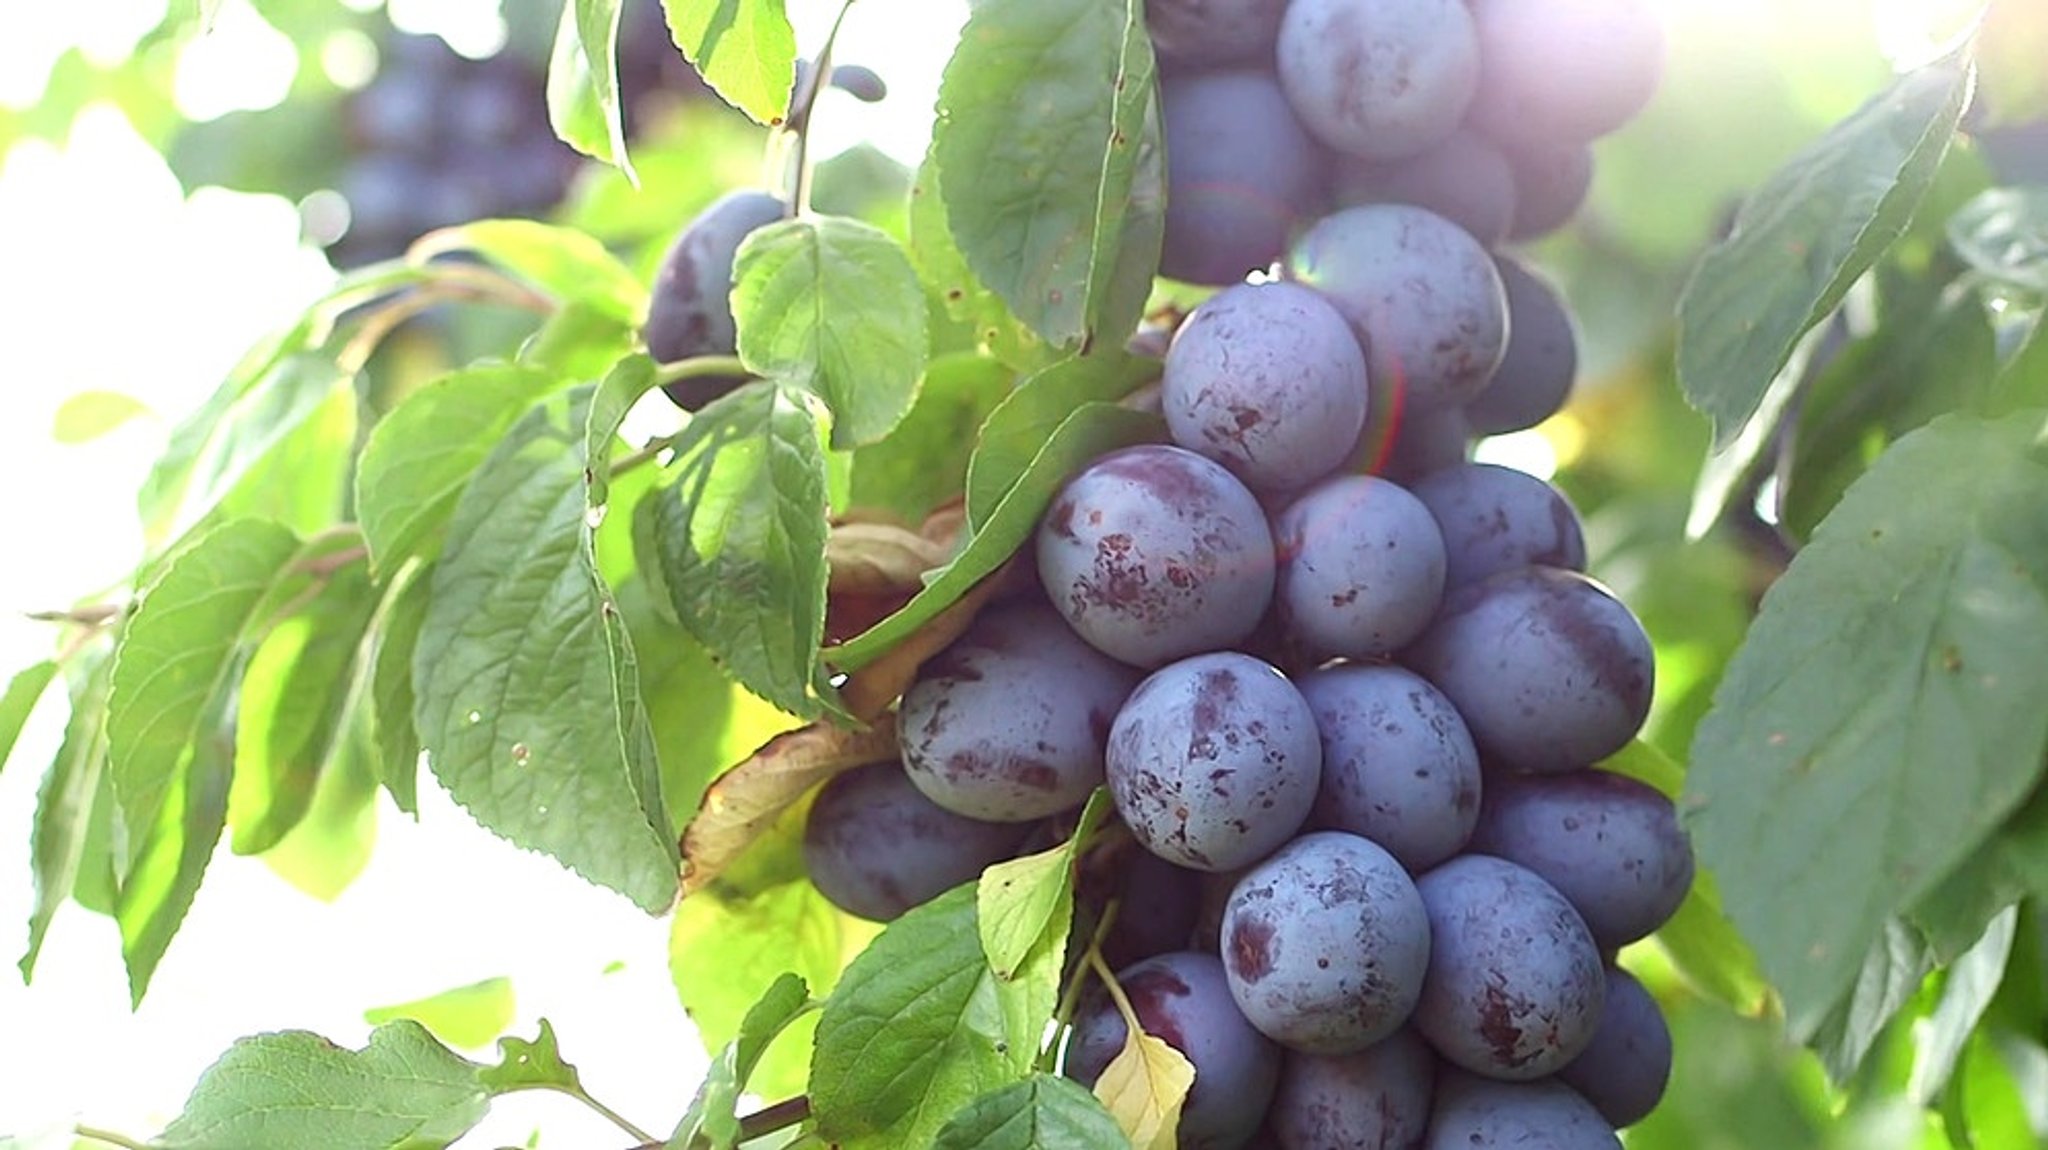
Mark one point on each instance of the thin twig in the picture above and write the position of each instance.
(109, 1137)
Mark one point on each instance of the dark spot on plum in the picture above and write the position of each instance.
(1497, 1027)
(1038, 776)
(1061, 518)
(1250, 952)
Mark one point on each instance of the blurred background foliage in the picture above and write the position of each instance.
(1748, 82)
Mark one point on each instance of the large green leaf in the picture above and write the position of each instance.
(1883, 716)
(527, 700)
(180, 655)
(915, 1030)
(1093, 430)
(2003, 233)
(395, 739)
(20, 698)
(1042, 1113)
(583, 82)
(1804, 237)
(297, 1089)
(567, 264)
(739, 531)
(958, 290)
(1018, 429)
(924, 461)
(1926, 362)
(230, 433)
(745, 49)
(167, 868)
(419, 457)
(64, 805)
(1043, 112)
(294, 695)
(832, 305)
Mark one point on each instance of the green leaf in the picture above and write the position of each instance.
(1804, 237)
(714, 1113)
(395, 737)
(1038, 201)
(65, 805)
(527, 700)
(914, 1031)
(91, 414)
(20, 699)
(303, 481)
(735, 939)
(745, 49)
(1020, 426)
(1093, 430)
(240, 425)
(418, 458)
(963, 296)
(166, 870)
(569, 265)
(530, 1065)
(1044, 1112)
(331, 846)
(1891, 973)
(740, 530)
(294, 695)
(2023, 381)
(179, 656)
(923, 463)
(467, 1016)
(1917, 366)
(1025, 903)
(579, 341)
(1880, 721)
(298, 1089)
(832, 306)
(2003, 233)
(689, 701)
(583, 83)
(1965, 995)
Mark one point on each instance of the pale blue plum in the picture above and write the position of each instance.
(1551, 672)
(1379, 80)
(1214, 760)
(1497, 519)
(1423, 295)
(1008, 723)
(1399, 766)
(1361, 567)
(1154, 552)
(1268, 380)
(1515, 985)
(1325, 944)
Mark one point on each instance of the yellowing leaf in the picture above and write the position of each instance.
(1143, 1088)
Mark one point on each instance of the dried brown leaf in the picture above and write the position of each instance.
(745, 801)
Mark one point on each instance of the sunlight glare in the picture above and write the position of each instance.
(1529, 451)
(244, 64)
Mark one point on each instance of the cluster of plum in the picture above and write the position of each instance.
(1437, 130)
(439, 139)
(1373, 888)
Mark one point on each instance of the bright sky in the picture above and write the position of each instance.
(114, 279)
